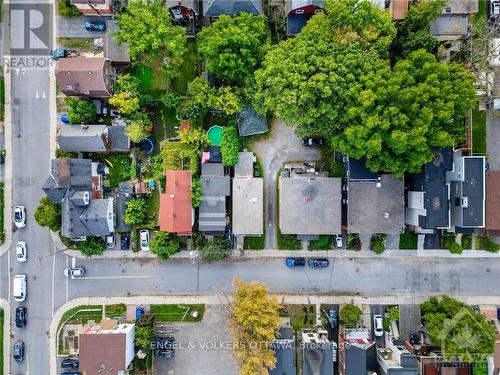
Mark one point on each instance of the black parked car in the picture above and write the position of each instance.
(70, 363)
(18, 353)
(125, 241)
(318, 263)
(313, 142)
(20, 317)
(168, 354)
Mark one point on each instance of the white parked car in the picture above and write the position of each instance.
(19, 287)
(20, 216)
(144, 239)
(21, 253)
(110, 241)
(378, 325)
(74, 272)
(338, 240)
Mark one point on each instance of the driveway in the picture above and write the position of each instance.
(281, 146)
(493, 139)
(73, 27)
(201, 346)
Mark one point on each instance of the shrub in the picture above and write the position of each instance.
(350, 314)
(377, 243)
(135, 212)
(81, 111)
(48, 214)
(230, 146)
(353, 241)
(456, 248)
(92, 246)
(165, 245)
(490, 245)
(218, 249)
(66, 9)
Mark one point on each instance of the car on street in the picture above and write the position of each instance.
(313, 142)
(167, 354)
(20, 216)
(61, 53)
(144, 239)
(19, 287)
(295, 262)
(20, 317)
(318, 263)
(125, 241)
(494, 8)
(378, 325)
(338, 240)
(332, 318)
(18, 352)
(95, 26)
(21, 254)
(110, 241)
(69, 363)
(74, 272)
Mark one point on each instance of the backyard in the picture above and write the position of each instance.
(119, 167)
(478, 132)
(177, 313)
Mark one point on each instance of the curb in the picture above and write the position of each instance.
(6, 335)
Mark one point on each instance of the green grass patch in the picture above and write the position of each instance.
(325, 242)
(112, 311)
(478, 132)
(177, 313)
(164, 126)
(152, 207)
(287, 241)
(187, 69)
(408, 241)
(78, 43)
(335, 167)
(482, 12)
(119, 167)
(82, 316)
(254, 243)
(1, 339)
(2, 98)
(467, 241)
(480, 368)
(2, 203)
(64, 8)
(301, 316)
(152, 76)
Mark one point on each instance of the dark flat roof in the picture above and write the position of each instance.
(356, 170)
(473, 189)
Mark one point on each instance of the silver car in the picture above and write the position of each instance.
(74, 272)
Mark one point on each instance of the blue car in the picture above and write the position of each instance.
(95, 26)
(295, 262)
(139, 312)
(318, 263)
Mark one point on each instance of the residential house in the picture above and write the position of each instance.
(284, 351)
(493, 202)
(428, 194)
(116, 52)
(396, 359)
(467, 192)
(106, 348)
(94, 7)
(318, 353)
(215, 188)
(77, 184)
(87, 77)
(248, 198)
(251, 123)
(93, 138)
(357, 351)
(298, 12)
(375, 201)
(184, 13)
(431, 362)
(215, 8)
(123, 195)
(176, 209)
(453, 24)
(309, 201)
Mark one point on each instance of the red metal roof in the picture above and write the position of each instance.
(175, 204)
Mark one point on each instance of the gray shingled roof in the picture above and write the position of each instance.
(231, 7)
(113, 50)
(118, 139)
(95, 217)
(214, 187)
(250, 122)
(77, 138)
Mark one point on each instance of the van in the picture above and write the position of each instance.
(19, 287)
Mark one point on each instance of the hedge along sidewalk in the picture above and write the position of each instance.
(6, 336)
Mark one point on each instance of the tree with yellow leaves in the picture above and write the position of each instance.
(254, 321)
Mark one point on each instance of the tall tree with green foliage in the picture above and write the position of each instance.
(144, 337)
(126, 96)
(461, 333)
(233, 46)
(137, 129)
(196, 194)
(48, 214)
(164, 244)
(135, 213)
(147, 29)
(215, 250)
(401, 114)
(81, 111)
(230, 146)
(350, 314)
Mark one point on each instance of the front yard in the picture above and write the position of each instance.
(408, 241)
(177, 313)
(301, 316)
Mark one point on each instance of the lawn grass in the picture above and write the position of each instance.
(119, 167)
(152, 76)
(2, 99)
(482, 12)
(2, 233)
(152, 206)
(301, 316)
(164, 126)
(83, 316)
(325, 242)
(467, 241)
(254, 243)
(78, 43)
(177, 313)
(187, 68)
(478, 132)
(408, 241)
(335, 167)
(1, 340)
(117, 310)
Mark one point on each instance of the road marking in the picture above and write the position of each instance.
(37, 95)
(73, 262)
(111, 277)
(43, 94)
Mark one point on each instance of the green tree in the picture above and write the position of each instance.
(233, 46)
(135, 212)
(401, 114)
(147, 29)
(126, 97)
(230, 146)
(164, 244)
(137, 129)
(226, 99)
(218, 249)
(144, 337)
(48, 214)
(254, 322)
(196, 194)
(81, 111)
(350, 314)
(92, 246)
(457, 330)
(490, 245)
(393, 313)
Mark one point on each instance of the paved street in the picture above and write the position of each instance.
(281, 146)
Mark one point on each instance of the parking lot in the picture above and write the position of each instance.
(201, 345)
